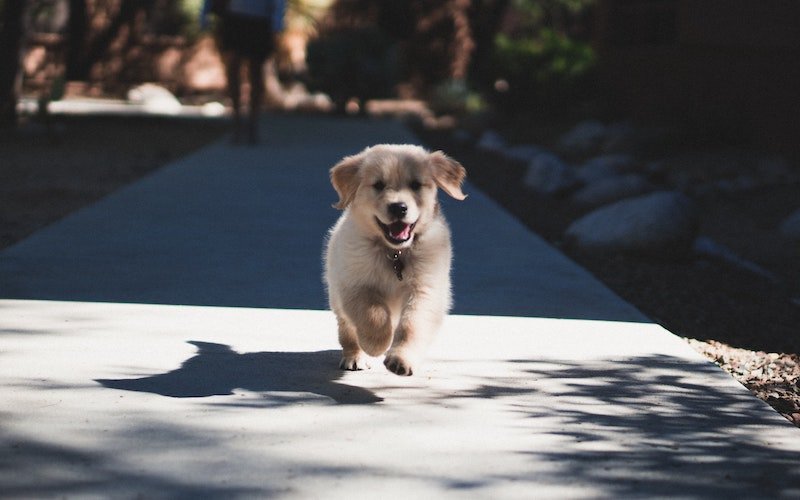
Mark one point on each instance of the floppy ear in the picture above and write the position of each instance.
(345, 179)
(448, 174)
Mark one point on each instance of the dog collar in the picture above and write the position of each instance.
(397, 263)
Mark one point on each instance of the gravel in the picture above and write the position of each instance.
(771, 376)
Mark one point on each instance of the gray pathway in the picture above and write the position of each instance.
(171, 341)
(244, 227)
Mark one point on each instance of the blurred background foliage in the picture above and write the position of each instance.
(545, 72)
(390, 48)
(461, 56)
(653, 61)
(464, 56)
(542, 60)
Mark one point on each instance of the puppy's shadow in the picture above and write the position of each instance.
(217, 370)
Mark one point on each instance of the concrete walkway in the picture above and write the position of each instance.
(172, 341)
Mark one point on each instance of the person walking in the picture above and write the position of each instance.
(245, 32)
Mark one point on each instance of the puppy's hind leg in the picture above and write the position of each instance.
(353, 358)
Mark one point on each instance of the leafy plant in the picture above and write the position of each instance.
(543, 71)
(456, 98)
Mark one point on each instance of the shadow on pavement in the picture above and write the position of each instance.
(218, 370)
(641, 427)
(649, 426)
(37, 469)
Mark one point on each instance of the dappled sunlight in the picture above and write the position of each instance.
(570, 407)
(166, 334)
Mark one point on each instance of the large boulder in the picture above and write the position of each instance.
(662, 223)
(523, 152)
(491, 141)
(710, 249)
(605, 166)
(548, 174)
(154, 99)
(620, 137)
(583, 140)
(612, 189)
(790, 227)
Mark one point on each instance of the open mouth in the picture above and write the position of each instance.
(397, 232)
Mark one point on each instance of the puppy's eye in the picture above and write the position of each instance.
(415, 185)
(379, 186)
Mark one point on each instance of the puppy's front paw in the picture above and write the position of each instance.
(399, 363)
(354, 362)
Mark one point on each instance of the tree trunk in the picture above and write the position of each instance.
(463, 43)
(11, 31)
(76, 68)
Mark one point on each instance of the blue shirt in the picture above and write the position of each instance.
(273, 10)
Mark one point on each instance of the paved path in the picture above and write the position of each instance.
(244, 227)
(171, 341)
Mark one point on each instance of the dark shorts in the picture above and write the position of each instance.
(252, 37)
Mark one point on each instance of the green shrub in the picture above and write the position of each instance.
(545, 72)
(454, 97)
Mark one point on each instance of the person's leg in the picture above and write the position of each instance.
(256, 74)
(233, 63)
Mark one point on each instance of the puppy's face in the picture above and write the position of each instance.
(391, 189)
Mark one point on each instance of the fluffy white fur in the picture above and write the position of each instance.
(389, 197)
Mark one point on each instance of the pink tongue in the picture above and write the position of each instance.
(400, 231)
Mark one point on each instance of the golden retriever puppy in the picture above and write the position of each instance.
(387, 260)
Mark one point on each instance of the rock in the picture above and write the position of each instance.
(656, 168)
(213, 109)
(624, 137)
(461, 136)
(548, 174)
(773, 169)
(662, 223)
(740, 184)
(603, 167)
(316, 102)
(612, 189)
(523, 152)
(790, 227)
(725, 171)
(584, 140)
(491, 141)
(706, 247)
(154, 99)
(620, 137)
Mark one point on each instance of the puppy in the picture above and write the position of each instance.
(387, 258)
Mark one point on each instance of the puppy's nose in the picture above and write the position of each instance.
(398, 210)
